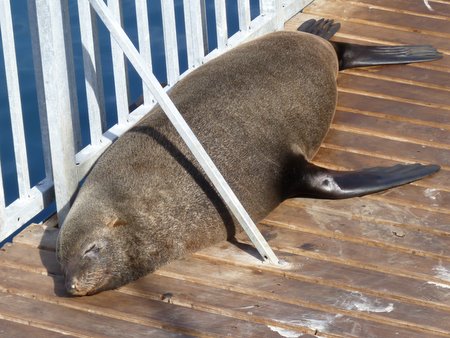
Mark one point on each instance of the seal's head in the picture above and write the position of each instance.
(98, 256)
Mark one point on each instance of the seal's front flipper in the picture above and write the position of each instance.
(308, 180)
(323, 28)
(352, 55)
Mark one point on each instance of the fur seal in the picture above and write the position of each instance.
(261, 111)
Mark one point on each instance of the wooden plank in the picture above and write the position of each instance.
(70, 321)
(371, 31)
(222, 300)
(280, 288)
(362, 34)
(381, 212)
(233, 291)
(333, 249)
(389, 149)
(401, 111)
(363, 13)
(10, 328)
(342, 160)
(440, 10)
(395, 91)
(39, 236)
(409, 132)
(427, 78)
(189, 267)
(337, 221)
(322, 272)
(113, 304)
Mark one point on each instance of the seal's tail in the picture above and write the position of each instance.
(353, 55)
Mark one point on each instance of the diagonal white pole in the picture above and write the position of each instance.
(185, 132)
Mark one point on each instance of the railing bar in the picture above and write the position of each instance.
(22, 210)
(244, 14)
(15, 105)
(204, 27)
(119, 68)
(185, 132)
(53, 39)
(170, 41)
(37, 63)
(70, 68)
(92, 71)
(144, 42)
(194, 32)
(221, 24)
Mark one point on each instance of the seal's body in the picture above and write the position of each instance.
(261, 111)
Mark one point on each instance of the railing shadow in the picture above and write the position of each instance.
(47, 248)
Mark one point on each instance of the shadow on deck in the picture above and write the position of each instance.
(377, 266)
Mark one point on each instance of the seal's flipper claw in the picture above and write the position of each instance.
(352, 55)
(317, 182)
(323, 28)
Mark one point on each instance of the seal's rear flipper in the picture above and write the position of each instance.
(352, 55)
(308, 180)
(323, 28)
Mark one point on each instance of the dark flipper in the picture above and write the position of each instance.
(303, 179)
(323, 28)
(352, 55)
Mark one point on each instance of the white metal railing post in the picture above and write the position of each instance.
(185, 132)
(170, 41)
(92, 71)
(53, 39)
(204, 27)
(244, 14)
(15, 105)
(119, 68)
(221, 24)
(37, 63)
(274, 9)
(194, 32)
(144, 43)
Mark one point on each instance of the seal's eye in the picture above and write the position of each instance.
(93, 249)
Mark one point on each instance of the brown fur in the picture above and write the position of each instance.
(146, 201)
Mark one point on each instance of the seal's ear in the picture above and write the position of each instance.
(115, 222)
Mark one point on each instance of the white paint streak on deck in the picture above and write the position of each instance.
(431, 193)
(441, 285)
(359, 302)
(284, 332)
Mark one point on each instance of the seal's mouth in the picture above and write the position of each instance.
(75, 287)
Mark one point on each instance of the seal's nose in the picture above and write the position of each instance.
(72, 286)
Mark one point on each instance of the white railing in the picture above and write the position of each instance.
(65, 163)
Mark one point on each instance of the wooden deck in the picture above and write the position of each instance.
(377, 266)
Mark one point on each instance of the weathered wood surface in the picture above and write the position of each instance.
(377, 266)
